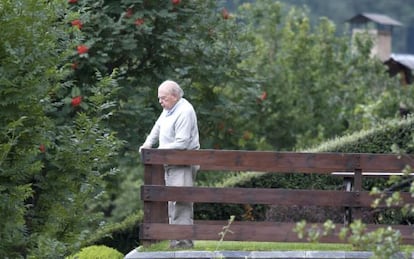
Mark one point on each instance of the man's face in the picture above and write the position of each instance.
(166, 99)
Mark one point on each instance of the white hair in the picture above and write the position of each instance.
(173, 88)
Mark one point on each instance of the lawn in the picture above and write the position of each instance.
(259, 246)
(251, 246)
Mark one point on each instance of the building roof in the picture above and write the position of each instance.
(401, 63)
(406, 60)
(376, 18)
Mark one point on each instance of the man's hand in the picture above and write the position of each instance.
(143, 146)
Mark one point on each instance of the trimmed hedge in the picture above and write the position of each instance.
(97, 252)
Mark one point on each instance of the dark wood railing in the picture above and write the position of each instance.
(353, 166)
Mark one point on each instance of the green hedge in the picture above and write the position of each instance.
(97, 252)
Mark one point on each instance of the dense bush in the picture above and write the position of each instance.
(55, 151)
(97, 252)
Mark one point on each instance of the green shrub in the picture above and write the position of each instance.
(97, 252)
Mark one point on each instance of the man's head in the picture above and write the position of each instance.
(169, 93)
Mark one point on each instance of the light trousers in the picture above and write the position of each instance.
(180, 213)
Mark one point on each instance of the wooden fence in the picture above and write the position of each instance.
(155, 194)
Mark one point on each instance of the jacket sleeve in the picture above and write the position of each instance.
(152, 138)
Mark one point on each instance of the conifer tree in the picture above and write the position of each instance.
(54, 149)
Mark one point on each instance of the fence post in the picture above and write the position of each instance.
(357, 188)
(154, 212)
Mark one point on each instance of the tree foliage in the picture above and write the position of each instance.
(400, 10)
(187, 41)
(313, 79)
(53, 156)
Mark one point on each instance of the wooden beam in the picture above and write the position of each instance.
(288, 162)
(252, 231)
(262, 196)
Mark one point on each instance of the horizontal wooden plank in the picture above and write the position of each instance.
(262, 196)
(267, 161)
(249, 231)
(277, 232)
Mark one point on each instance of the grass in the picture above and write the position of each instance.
(250, 246)
(258, 246)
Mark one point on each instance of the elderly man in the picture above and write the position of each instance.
(176, 128)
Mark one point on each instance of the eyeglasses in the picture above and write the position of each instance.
(163, 98)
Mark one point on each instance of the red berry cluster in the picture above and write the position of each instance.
(81, 49)
(76, 101)
(77, 23)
